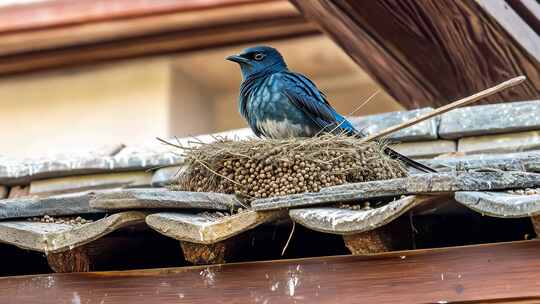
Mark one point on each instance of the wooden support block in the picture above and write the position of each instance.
(4, 192)
(536, 224)
(395, 235)
(217, 253)
(134, 247)
(369, 242)
(19, 191)
(74, 260)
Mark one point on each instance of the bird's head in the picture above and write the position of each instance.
(259, 59)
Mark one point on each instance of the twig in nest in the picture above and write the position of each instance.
(289, 239)
(454, 105)
(214, 172)
(169, 143)
(354, 111)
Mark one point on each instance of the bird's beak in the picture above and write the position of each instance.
(238, 59)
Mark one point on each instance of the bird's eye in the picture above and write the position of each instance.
(258, 56)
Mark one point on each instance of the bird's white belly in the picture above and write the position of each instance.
(283, 129)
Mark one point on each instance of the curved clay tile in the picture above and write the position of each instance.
(500, 204)
(55, 237)
(346, 221)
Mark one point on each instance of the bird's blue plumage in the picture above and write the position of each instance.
(279, 103)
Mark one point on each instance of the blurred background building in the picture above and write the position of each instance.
(76, 75)
(80, 75)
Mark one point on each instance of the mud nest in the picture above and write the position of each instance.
(264, 168)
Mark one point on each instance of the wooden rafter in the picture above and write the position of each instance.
(529, 11)
(47, 14)
(428, 53)
(146, 28)
(59, 34)
(514, 25)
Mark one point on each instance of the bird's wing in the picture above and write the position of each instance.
(246, 88)
(305, 95)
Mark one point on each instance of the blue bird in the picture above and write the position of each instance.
(278, 103)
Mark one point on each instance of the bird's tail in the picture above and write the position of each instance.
(408, 161)
(395, 155)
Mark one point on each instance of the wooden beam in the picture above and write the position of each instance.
(64, 33)
(428, 53)
(529, 11)
(108, 28)
(514, 25)
(155, 44)
(57, 13)
(494, 273)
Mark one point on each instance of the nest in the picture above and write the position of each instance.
(264, 168)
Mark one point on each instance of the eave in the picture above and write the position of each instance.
(87, 32)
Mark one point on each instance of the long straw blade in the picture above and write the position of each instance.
(454, 105)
